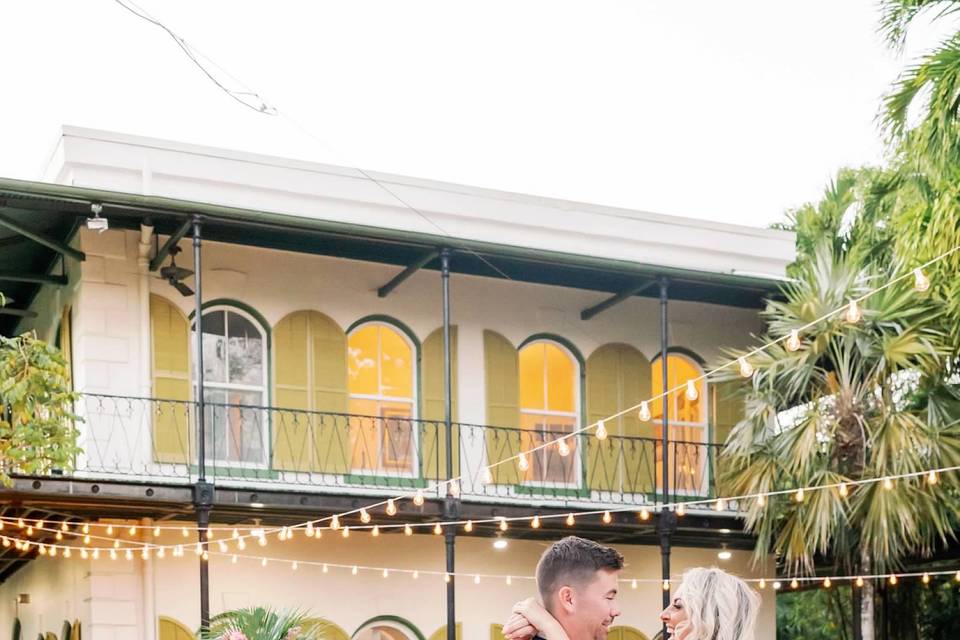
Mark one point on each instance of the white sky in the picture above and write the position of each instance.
(730, 111)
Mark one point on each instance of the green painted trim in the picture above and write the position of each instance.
(528, 490)
(240, 472)
(693, 355)
(268, 365)
(380, 481)
(582, 365)
(390, 618)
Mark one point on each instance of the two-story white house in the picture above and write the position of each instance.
(323, 386)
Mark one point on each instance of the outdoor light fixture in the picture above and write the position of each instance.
(500, 543)
(96, 223)
(724, 555)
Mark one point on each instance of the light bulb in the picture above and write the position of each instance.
(375, 531)
(63, 527)
(295, 565)
(746, 369)
(794, 584)
(893, 579)
(633, 583)
(724, 555)
(59, 535)
(129, 554)
(161, 552)
(222, 546)
(469, 526)
(844, 492)
(110, 530)
(645, 515)
(601, 431)
(607, 518)
(113, 554)
(776, 585)
(476, 579)
(570, 520)
(888, 483)
(793, 342)
(262, 541)
(86, 527)
(762, 584)
(509, 581)
(853, 314)
(30, 530)
(66, 552)
(364, 516)
(666, 585)
(391, 508)
(335, 522)
(799, 495)
(761, 500)
(407, 530)
(957, 577)
(345, 532)
(418, 498)
(503, 524)
(416, 574)
(309, 530)
(437, 529)
(241, 544)
(563, 448)
(198, 549)
(263, 562)
(386, 573)
(859, 582)
(116, 544)
(86, 539)
(932, 478)
(827, 583)
(446, 578)
(681, 510)
(522, 462)
(454, 488)
(156, 532)
(920, 281)
(535, 523)
(326, 569)
(233, 559)
(184, 532)
(53, 551)
(926, 578)
(487, 477)
(40, 524)
(720, 505)
(644, 413)
(692, 393)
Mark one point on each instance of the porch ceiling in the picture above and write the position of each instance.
(56, 209)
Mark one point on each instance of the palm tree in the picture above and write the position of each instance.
(858, 400)
(259, 623)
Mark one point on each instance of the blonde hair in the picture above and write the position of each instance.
(719, 606)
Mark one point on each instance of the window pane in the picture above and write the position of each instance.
(235, 433)
(396, 364)
(362, 360)
(679, 370)
(245, 346)
(547, 465)
(214, 347)
(363, 434)
(560, 379)
(396, 436)
(532, 377)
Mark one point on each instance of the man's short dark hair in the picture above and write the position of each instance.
(573, 561)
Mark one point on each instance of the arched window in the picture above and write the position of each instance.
(687, 417)
(549, 408)
(235, 386)
(381, 363)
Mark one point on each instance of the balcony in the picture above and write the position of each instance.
(154, 440)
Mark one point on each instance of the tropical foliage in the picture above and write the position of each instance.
(259, 623)
(37, 424)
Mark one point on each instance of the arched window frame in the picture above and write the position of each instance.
(392, 622)
(703, 389)
(578, 452)
(407, 335)
(264, 388)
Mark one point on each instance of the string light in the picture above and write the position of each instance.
(375, 531)
(843, 490)
(645, 515)
(446, 578)
(853, 314)
(354, 570)
(633, 583)
(932, 478)
(184, 532)
(762, 584)
(893, 579)
(503, 524)
(241, 544)
(469, 526)
(416, 574)
(920, 281)
(535, 523)
(761, 500)
(364, 516)
(522, 462)
(437, 529)
(746, 369)
(113, 554)
(476, 579)
(681, 510)
(666, 585)
(888, 483)
(263, 562)
(826, 583)
(386, 573)
(156, 532)
(295, 565)
(859, 582)
(926, 578)
(161, 552)
(607, 518)
(487, 476)
(563, 448)
(346, 532)
(720, 504)
(601, 431)
(309, 531)
(644, 413)
(793, 342)
(335, 522)
(326, 569)
(418, 498)
(799, 495)
(794, 584)
(86, 527)
(233, 559)
(570, 520)
(407, 530)
(509, 581)
(777, 585)
(391, 508)
(692, 393)
(129, 555)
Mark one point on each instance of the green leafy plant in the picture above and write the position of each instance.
(260, 623)
(37, 423)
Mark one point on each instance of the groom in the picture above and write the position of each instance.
(577, 581)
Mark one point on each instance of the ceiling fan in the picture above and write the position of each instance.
(175, 275)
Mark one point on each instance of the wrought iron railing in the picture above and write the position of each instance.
(154, 439)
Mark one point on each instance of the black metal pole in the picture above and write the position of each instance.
(203, 491)
(667, 520)
(450, 501)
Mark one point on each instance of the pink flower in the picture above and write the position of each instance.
(235, 635)
(292, 634)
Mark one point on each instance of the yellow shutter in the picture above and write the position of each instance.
(170, 629)
(441, 633)
(618, 377)
(170, 339)
(502, 373)
(66, 343)
(496, 632)
(727, 408)
(310, 375)
(433, 440)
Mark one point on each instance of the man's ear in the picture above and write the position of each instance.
(565, 598)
